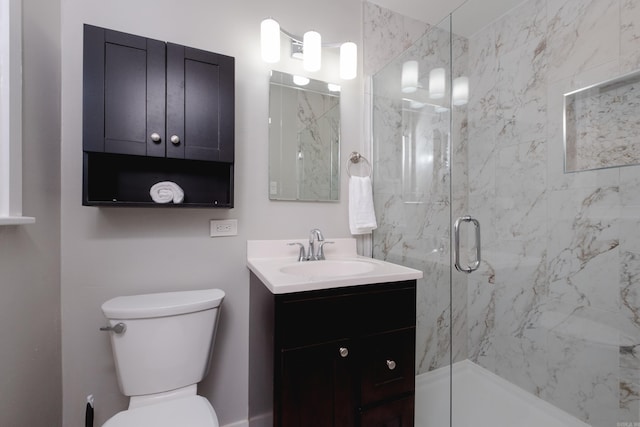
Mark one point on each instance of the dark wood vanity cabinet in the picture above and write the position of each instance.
(341, 357)
(155, 111)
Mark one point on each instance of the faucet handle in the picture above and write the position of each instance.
(301, 255)
(321, 250)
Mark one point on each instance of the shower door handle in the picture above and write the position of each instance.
(456, 245)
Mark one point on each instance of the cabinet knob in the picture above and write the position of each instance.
(344, 351)
(391, 365)
(175, 139)
(155, 137)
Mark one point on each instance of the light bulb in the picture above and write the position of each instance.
(348, 60)
(270, 40)
(437, 83)
(409, 76)
(312, 50)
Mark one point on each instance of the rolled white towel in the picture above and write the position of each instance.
(166, 191)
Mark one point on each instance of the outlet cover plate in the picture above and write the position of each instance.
(224, 227)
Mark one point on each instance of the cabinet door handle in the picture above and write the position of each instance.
(175, 139)
(391, 364)
(344, 351)
(155, 137)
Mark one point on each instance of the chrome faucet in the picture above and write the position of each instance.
(315, 235)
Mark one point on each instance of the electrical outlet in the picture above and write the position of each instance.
(224, 227)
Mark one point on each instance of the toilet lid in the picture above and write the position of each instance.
(192, 411)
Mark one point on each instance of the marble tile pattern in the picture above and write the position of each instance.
(555, 306)
(318, 119)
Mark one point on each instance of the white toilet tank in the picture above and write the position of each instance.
(167, 341)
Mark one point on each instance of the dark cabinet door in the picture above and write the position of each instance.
(399, 413)
(387, 365)
(200, 104)
(317, 387)
(150, 98)
(124, 93)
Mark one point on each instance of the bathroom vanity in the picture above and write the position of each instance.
(334, 348)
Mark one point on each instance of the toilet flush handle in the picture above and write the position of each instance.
(118, 328)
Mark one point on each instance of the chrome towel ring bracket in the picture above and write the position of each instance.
(355, 158)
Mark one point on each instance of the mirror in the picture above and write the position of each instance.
(304, 139)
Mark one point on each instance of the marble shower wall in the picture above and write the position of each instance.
(555, 307)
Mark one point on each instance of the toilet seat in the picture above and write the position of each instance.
(192, 411)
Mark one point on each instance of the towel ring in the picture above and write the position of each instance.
(354, 158)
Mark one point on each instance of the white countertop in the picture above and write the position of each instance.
(267, 258)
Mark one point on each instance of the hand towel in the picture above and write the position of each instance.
(362, 217)
(166, 191)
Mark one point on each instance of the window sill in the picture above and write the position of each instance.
(16, 220)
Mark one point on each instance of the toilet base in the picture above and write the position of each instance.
(154, 399)
(192, 411)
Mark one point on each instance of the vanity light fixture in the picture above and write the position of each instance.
(270, 40)
(312, 50)
(348, 60)
(309, 47)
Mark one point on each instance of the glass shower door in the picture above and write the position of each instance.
(549, 324)
(413, 198)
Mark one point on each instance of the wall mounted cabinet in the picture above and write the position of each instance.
(341, 357)
(155, 111)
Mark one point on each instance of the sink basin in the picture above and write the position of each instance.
(328, 268)
(274, 263)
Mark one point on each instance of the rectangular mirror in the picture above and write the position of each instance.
(601, 125)
(304, 139)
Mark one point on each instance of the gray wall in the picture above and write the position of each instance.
(30, 375)
(119, 251)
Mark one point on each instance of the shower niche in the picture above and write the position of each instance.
(601, 124)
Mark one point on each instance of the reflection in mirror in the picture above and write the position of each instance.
(304, 139)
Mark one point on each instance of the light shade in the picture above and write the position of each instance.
(437, 83)
(409, 76)
(460, 91)
(348, 61)
(312, 51)
(270, 40)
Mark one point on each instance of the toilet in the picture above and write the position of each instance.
(162, 346)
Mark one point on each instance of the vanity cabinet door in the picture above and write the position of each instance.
(387, 366)
(399, 413)
(317, 387)
(124, 93)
